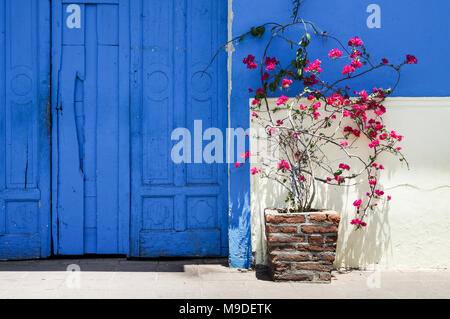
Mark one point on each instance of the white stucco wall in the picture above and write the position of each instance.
(413, 230)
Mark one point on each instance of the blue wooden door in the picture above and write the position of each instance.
(176, 209)
(24, 129)
(90, 86)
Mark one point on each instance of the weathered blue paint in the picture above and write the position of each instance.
(24, 129)
(177, 210)
(91, 127)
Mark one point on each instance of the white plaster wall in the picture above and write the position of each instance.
(413, 229)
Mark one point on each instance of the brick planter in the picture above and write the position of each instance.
(301, 246)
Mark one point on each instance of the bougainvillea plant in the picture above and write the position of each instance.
(327, 133)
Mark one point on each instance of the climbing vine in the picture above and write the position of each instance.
(325, 132)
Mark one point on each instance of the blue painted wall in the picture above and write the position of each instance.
(407, 27)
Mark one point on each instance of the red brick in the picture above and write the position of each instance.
(330, 248)
(315, 239)
(289, 257)
(288, 229)
(310, 248)
(331, 239)
(272, 219)
(325, 276)
(280, 266)
(281, 229)
(271, 229)
(327, 257)
(315, 248)
(311, 229)
(285, 239)
(294, 277)
(334, 218)
(314, 266)
(317, 218)
(275, 247)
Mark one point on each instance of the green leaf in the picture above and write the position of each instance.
(257, 32)
(273, 86)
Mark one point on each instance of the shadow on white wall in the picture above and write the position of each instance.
(410, 232)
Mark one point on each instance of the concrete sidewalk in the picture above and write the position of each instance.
(200, 278)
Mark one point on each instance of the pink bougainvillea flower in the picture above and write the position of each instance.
(265, 76)
(316, 115)
(363, 94)
(302, 107)
(259, 91)
(379, 192)
(270, 61)
(372, 182)
(286, 83)
(356, 63)
(237, 165)
(255, 101)
(245, 155)
(355, 221)
(254, 171)
(339, 179)
(329, 179)
(346, 113)
(348, 69)
(344, 166)
(348, 129)
(385, 61)
(410, 59)
(283, 165)
(383, 136)
(282, 99)
(357, 203)
(314, 66)
(374, 143)
(363, 224)
(279, 122)
(302, 178)
(335, 53)
(389, 197)
(380, 167)
(310, 80)
(250, 90)
(271, 131)
(270, 67)
(355, 54)
(316, 106)
(255, 115)
(311, 97)
(355, 42)
(249, 59)
(399, 148)
(344, 144)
